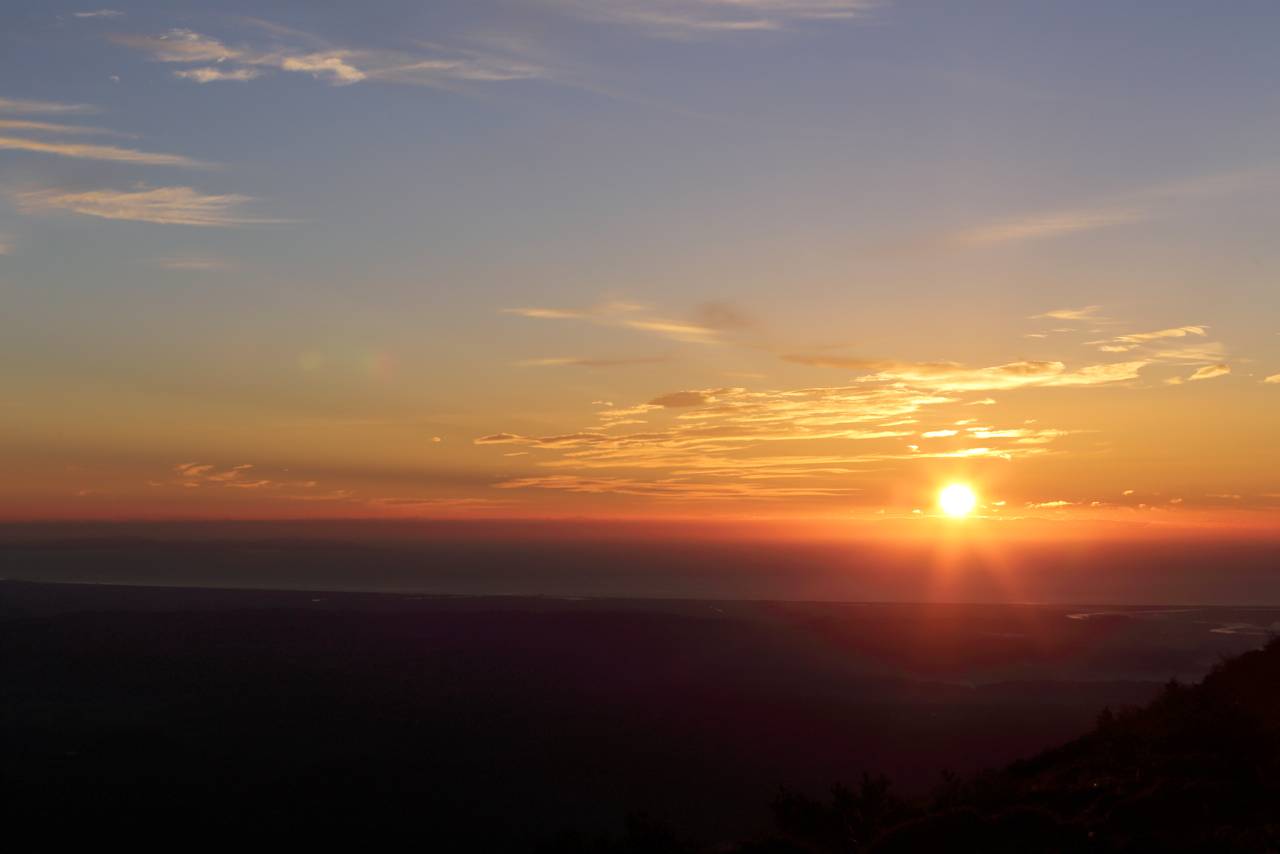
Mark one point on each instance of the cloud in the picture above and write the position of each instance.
(1089, 312)
(301, 53)
(623, 314)
(165, 205)
(97, 152)
(99, 13)
(1206, 352)
(193, 263)
(212, 74)
(53, 127)
(196, 475)
(580, 362)
(1176, 332)
(674, 329)
(672, 489)
(15, 105)
(1274, 379)
(545, 313)
(946, 377)
(1045, 226)
(1210, 372)
(680, 399)
(693, 438)
(685, 19)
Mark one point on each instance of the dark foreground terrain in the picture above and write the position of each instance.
(191, 719)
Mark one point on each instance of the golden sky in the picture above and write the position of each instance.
(682, 259)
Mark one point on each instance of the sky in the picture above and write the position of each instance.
(695, 260)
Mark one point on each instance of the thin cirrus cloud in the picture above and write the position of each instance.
(586, 362)
(54, 127)
(193, 263)
(163, 205)
(1134, 340)
(1209, 372)
(213, 60)
(1135, 206)
(693, 18)
(628, 316)
(1045, 226)
(19, 105)
(99, 13)
(84, 151)
(953, 377)
(1089, 312)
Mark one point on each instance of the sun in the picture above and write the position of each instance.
(957, 500)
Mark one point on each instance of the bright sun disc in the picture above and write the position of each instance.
(957, 500)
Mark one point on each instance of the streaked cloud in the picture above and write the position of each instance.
(194, 263)
(1045, 226)
(165, 205)
(82, 151)
(290, 51)
(1274, 379)
(1176, 332)
(99, 13)
(691, 18)
(212, 74)
(680, 490)
(629, 316)
(1012, 375)
(17, 105)
(586, 362)
(54, 127)
(1089, 312)
(1209, 372)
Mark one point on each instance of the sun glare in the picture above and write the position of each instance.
(957, 500)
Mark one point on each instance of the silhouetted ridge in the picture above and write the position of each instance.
(1198, 769)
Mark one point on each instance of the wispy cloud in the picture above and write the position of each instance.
(1175, 332)
(54, 127)
(213, 74)
(1126, 208)
(1089, 312)
(628, 316)
(83, 151)
(16, 105)
(726, 442)
(166, 205)
(691, 18)
(99, 13)
(194, 263)
(1274, 379)
(587, 362)
(952, 377)
(1209, 372)
(1044, 226)
(216, 61)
